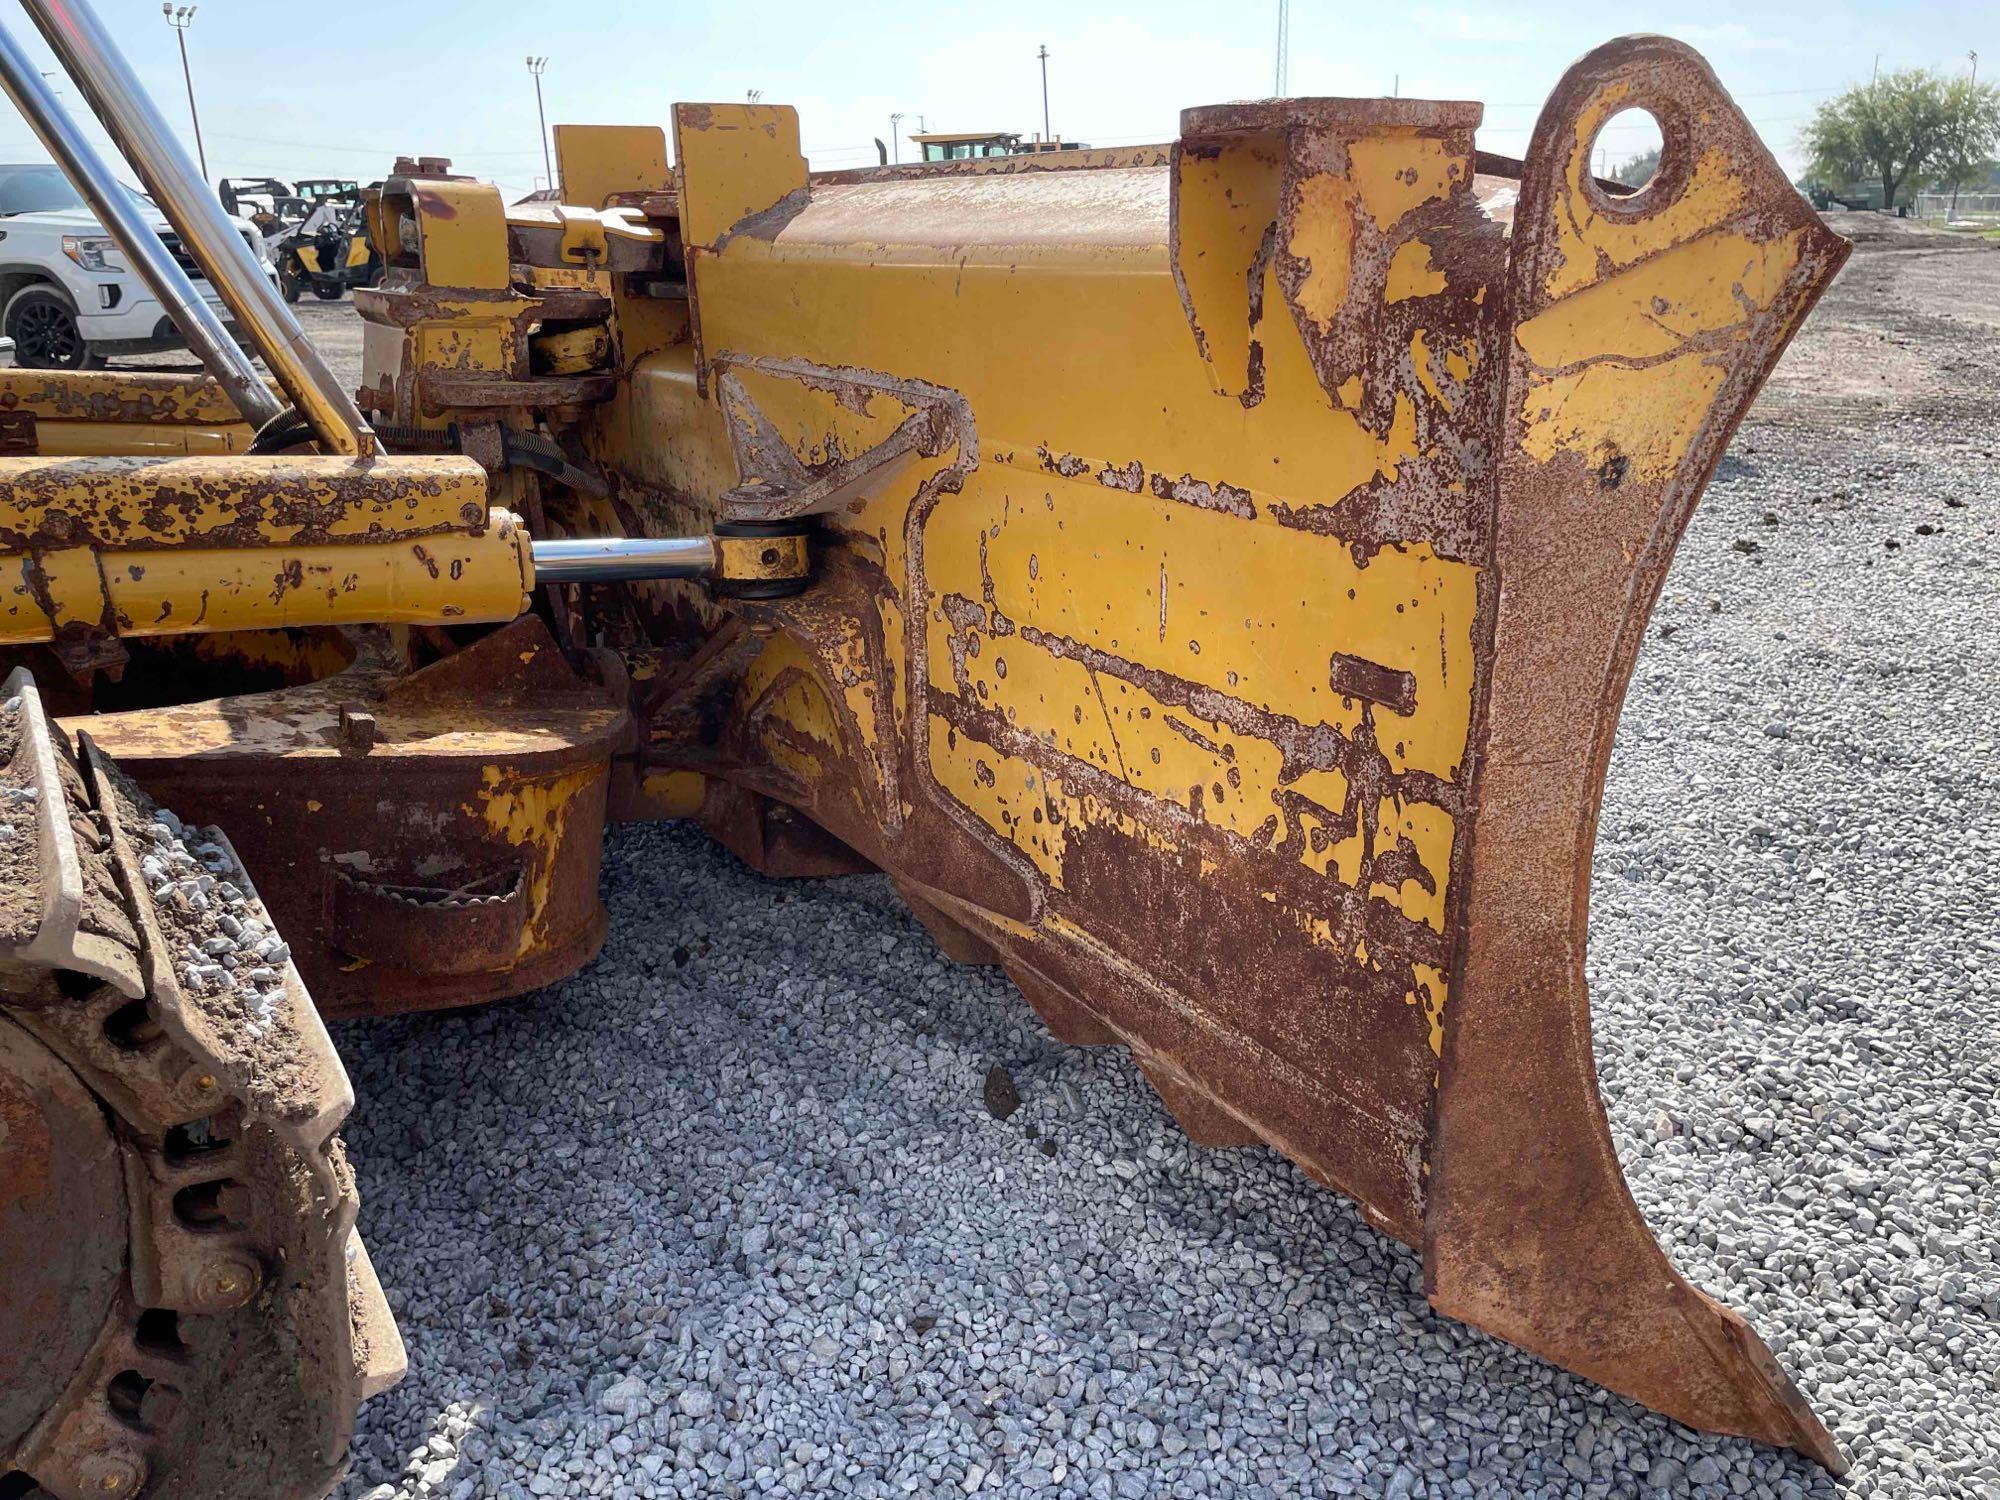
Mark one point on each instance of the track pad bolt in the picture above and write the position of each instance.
(234, 1283)
(110, 1474)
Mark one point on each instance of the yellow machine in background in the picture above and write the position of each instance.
(1204, 577)
(327, 253)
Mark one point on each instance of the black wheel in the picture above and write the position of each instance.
(288, 282)
(43, 326)
(328, 291)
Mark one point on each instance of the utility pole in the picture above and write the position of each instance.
(895, 137)
(1284, 48)
(536, 66)
(1876, 71)
(1047, 134)
(180, 19)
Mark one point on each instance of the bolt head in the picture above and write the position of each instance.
(111, 1474)
(234, 1282)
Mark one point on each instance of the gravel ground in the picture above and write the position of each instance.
(725, 1215)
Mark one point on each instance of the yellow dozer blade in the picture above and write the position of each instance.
(1229, 564)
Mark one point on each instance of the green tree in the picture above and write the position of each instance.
(1901, 128)
(1967, 153)
(1638, 170)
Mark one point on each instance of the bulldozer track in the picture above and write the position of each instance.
(193, 1315)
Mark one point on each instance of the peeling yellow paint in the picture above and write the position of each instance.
(1412, 274)
(1586, 240)
(530, 811)
(1430, 994)
(1323, 239)
(673, 794)
(1629, 367)
(1396, 171)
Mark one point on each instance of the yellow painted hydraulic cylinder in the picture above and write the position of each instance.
(453, 578)
(131, 546)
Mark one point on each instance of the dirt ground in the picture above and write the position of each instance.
(1865, 351)
(336, 333)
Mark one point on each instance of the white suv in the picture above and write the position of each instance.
(67, 297)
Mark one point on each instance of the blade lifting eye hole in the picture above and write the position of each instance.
(1625, 156)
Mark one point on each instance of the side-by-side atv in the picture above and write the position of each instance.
(1204, 577)
(329, 254)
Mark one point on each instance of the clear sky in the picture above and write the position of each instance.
(306, 88)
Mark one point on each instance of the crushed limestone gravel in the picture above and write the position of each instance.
(727, 1213)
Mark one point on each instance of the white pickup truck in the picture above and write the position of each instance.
(68, 300)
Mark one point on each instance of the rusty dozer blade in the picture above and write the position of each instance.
(1234, 651)
(1642, 331)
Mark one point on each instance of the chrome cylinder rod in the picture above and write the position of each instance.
(142, 135)
(143, 249)
(614, 559)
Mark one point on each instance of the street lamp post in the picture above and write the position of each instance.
(1952, 212)
(895, 137)
(1043, 55)
(536, 66)
(180, 18)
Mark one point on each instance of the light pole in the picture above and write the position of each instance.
(1952, 212)
(535, 66)
(895, 138)
(1047, 134)
(1284, 47)
(180, 18)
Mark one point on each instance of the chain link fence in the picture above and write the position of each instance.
(1969, 206)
